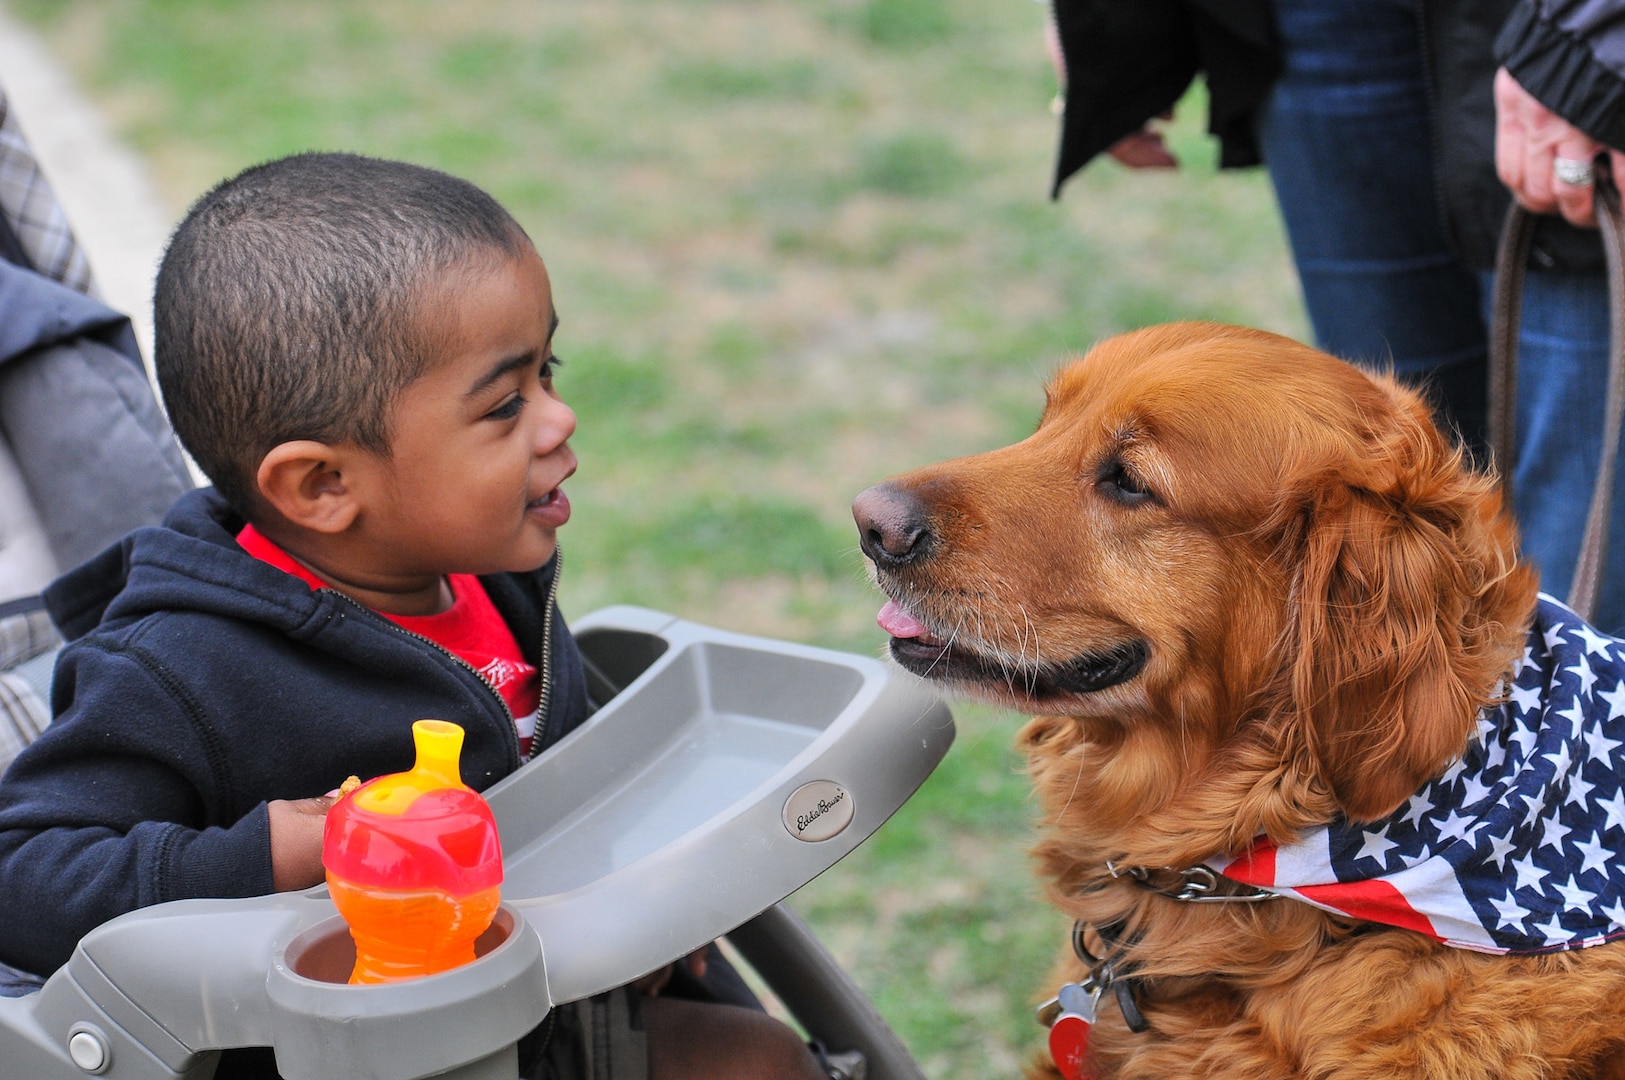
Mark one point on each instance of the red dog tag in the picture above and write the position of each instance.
(1069, 1045)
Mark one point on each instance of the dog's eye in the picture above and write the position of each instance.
(1117, 482)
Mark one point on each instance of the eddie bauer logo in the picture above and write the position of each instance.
(817, 810)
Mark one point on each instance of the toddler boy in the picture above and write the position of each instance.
(359, 354)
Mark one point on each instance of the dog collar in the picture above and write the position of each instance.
(1196, 885)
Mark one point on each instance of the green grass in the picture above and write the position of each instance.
(796, 248)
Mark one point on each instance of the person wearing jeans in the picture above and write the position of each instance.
(1383, 129)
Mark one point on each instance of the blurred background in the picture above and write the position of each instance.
(796, 247)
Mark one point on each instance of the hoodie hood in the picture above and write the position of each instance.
(189, 563)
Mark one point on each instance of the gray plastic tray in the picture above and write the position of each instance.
(726, 773)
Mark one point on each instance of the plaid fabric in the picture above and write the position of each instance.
(38, 225)
(23, 715)
(25, 635)
(28, 645)
(28, 642)
(31, 209)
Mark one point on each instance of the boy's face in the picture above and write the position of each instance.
(479, 445)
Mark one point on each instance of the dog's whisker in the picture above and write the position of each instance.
(1028, 629)
(1077, 782)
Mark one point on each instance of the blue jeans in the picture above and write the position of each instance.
(1562, 378)
(1348, 139)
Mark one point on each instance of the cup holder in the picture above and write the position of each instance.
(461, 1022)
(326, 952)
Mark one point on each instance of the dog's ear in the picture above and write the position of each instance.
(1409, 607)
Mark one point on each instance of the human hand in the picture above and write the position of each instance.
(653, 983)
(1144, 149)
(1529, 141)
(296, 841)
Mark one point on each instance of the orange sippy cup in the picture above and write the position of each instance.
(414, 863)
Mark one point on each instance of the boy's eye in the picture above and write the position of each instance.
(508, 409)
(550, 366)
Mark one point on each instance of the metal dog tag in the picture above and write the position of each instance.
(1069, 1034)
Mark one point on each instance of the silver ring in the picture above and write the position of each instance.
(1576, 172)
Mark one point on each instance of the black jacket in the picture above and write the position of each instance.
(199, 684)
(1129, 60)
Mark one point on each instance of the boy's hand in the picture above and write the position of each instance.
(296, 841)
(653, 983)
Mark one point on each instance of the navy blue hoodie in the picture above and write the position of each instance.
(200, 683)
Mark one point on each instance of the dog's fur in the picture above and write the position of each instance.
(1247, 588)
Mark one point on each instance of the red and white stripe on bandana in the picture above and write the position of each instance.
(1511, 850)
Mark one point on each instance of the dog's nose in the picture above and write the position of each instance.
(892, 525)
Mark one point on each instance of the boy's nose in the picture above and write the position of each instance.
(558, 424)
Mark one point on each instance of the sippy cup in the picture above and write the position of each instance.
(414, 863)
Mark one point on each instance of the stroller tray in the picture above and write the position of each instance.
(722, 773)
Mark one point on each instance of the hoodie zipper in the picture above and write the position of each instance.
(546, 666)
(543, 719)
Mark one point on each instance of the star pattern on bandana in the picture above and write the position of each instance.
(1531, 817)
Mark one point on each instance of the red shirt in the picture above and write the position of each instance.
(471, 629)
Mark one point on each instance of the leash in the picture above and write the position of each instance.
(1511, 261)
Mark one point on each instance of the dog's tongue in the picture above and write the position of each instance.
(898, 622)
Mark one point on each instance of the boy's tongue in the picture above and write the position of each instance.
(898, 622)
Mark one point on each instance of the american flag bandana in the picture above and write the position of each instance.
(1513, 849)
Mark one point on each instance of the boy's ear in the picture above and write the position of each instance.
(311, 485)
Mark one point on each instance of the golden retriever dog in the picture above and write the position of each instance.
(1254, 600)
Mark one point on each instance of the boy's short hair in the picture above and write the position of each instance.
(286, 309)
